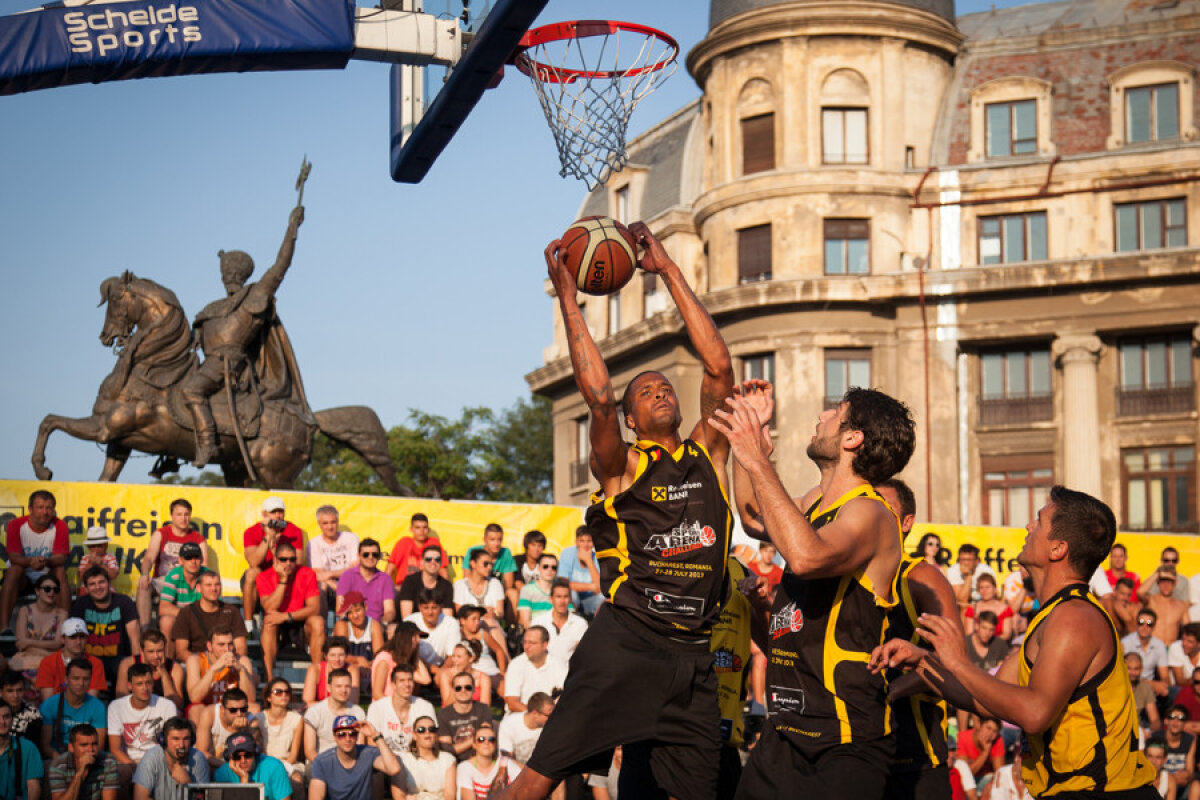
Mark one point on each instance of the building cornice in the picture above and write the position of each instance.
(804, 18)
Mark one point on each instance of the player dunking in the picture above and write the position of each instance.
(642, 676)
(920, 767)
(1068, 689)
(827, 732)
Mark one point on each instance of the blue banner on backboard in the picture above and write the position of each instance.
(156, 38)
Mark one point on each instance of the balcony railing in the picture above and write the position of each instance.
(579, 473)
(1156, 400)
(1015, 410)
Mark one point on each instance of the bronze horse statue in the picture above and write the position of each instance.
(138, 406)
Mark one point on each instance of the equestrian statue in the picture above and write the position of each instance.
(243, 407)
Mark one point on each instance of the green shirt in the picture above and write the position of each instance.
(176, 590)
(504, 561)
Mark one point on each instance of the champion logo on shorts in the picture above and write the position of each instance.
(683, 539)
(790, 619)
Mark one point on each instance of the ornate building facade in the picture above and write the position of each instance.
(986, 216)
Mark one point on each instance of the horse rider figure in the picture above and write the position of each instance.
(239, 330)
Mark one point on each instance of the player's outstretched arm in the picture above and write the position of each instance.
(717, 383)
(759, 395)
(609, 451)
(1066, 648)
(841, 547)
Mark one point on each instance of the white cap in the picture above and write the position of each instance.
(74, 626)
(95, 535)
(273, 504)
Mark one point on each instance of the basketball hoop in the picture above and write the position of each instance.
(589, 75)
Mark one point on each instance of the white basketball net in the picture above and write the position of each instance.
(589, 114)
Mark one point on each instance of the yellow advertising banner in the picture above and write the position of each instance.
(999, 547)
(129, 513)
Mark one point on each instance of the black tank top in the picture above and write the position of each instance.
(918, 720)
(822, 631)
(168, 665)
(663, 542)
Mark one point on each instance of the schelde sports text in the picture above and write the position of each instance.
(135, 28)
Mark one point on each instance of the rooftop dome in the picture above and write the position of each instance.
(721, 10)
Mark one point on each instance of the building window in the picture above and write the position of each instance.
(1011, 128)
(758, 143)
(1151, 224)
(843, 369)
(847, 248)
(760, 366)
(1009, 238)
(1160, 488)
(581, 447)
(654, 299)
(1015, 487)
(754, 254)
(622, 204)
(614, 313)
(1156, 375)
(1015, 386)
(1152, 113)
(844, 135)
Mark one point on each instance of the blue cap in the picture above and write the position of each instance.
(345, 721)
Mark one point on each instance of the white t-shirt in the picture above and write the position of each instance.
(443, 637)
(138, 728)
(1005, 788)
(397, 733)
(320, 718)
(1153, 657)
(955, 576)
(564, 642)
(1177, 658)
(516, 738)
(523, 679)
(34, 544)
(493, 595)
(1099, 584)
(426, 779)
(479, 782)
(343, 553)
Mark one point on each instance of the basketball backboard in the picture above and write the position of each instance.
(429, 103)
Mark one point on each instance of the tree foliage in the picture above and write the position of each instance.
(481, 455)
(206, 478)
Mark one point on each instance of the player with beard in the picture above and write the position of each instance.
(642, 676)
(828, 732)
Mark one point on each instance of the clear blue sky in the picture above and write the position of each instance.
(424, 296)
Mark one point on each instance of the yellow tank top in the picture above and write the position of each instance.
(731, 656)
(1093, 744)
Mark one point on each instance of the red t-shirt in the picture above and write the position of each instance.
(1133, 576)
(55, 536)
(303, 586)
(406, 556)
(253, 537)
(52, 674)
(969, 752)
(773, 575)
(1187, 698)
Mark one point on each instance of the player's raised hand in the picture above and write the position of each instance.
(740, 424)
(556, 266)
(654, 255)
(760, 395)
(946, 639)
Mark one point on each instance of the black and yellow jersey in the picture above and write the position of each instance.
(731, 656)
(663, 542)
(822, 631)
(1092, 745)
(919, 720)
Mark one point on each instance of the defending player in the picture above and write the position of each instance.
(828, 731)
(1068, 689)
(643, 676)
(920, 767)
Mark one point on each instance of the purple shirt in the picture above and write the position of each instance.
(378, 589)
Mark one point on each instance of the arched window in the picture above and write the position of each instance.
(845, 101)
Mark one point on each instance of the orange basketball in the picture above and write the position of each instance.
(601, 253)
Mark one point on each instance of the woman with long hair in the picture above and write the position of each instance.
(37, 626)
(928, 549)
(281, 728)
(462, 659)
(402, 648)
(430, 771)
(484, 773)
